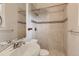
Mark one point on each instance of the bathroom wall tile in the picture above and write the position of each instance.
(51, 36)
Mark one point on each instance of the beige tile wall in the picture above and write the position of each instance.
(51, 36)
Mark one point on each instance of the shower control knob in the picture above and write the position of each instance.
(35, 29)
(29, 28)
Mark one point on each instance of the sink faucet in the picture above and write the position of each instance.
(18, 44)
(9, 41)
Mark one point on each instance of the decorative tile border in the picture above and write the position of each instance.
(49, 22)
(21, 22)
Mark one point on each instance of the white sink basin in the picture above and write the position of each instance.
(27, 50)
(32, 49)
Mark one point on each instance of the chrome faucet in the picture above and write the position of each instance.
(9, 41)
(18, 44)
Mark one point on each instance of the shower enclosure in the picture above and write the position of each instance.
(48, 23)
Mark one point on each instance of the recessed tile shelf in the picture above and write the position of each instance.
(22, 12)
(21, 22)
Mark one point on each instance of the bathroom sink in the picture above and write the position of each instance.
(7, 51)
(32, 49)
(27, 50)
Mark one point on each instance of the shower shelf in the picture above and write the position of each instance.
(22, 12)
(21, 22)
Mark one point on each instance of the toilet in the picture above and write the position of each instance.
(44, 52)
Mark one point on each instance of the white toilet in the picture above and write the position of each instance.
(44, 52)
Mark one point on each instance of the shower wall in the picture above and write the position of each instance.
(51, 35)
(73, 37)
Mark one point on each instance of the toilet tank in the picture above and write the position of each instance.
(6, 34)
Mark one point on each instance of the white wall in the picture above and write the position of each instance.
(43, 5)
(28, 21)
(72, 11)
(73, 38)
(21, 6)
